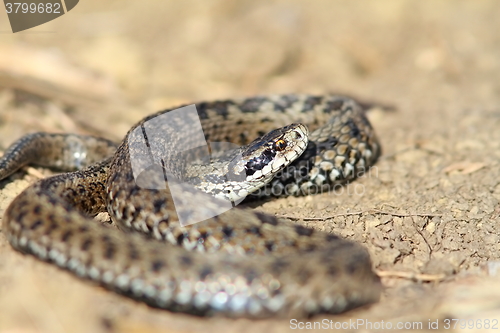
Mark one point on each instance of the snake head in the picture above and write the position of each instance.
(239, 172)
(261, 160)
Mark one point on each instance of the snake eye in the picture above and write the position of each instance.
(280, 145)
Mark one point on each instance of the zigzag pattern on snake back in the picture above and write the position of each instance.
(240, 263)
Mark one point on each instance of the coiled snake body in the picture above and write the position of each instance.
(239, 263)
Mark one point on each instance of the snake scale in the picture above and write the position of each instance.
(241, 263)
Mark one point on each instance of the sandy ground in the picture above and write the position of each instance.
(428, 212)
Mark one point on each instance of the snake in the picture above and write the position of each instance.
(227, 259)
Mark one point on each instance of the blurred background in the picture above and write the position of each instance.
(104, 65)
(147, 55)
